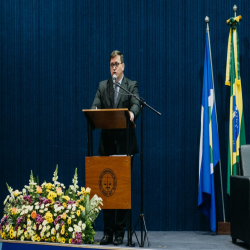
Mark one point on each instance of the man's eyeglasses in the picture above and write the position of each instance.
(116, 64)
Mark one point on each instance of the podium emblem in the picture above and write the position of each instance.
(107, 182)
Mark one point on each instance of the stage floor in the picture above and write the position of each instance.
(159, 240)
(186, 240)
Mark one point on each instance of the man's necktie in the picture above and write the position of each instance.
(116, 93)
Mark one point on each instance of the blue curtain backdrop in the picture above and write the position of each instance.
(53, 54)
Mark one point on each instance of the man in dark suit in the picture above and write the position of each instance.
(114, 141)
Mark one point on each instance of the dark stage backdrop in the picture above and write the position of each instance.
(53, 54)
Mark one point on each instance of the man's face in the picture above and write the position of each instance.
(117, 70)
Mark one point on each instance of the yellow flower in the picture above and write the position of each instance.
(69, 221)
(66, 198)
(48, 185)
(82, 208)
(49, 217)
(64, 205)
(79, 193)
(70, 241)
(3, 236)
(82, 189)
(16, 193)
(62, 231)
(66, 234)
(38, 238)
(53, 238)
(63, 240)
(78, 212)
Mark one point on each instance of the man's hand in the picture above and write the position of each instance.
(131, 116)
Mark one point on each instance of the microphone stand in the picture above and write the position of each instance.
(141, 216)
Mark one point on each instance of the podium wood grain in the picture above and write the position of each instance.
(98, 167)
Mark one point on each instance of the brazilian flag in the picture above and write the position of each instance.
(236, 117)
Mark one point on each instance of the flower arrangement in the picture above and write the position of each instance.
(48, 213)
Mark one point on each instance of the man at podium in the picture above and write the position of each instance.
(113, 142)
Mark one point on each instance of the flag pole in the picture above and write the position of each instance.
(222, 195)
(235, 9)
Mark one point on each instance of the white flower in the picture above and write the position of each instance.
(8, 227)
(66, 211)
(31, 233)
(77, 228)
(33, 238)
(34, 226)
(26, 234)
(42, 234)
(37, 207)
(29, 223)
(57, 226)
(6, 199)
(48, 227)
(48, 234)
(45, 223)
(22, 238)
(47, 205)
(41, 211)
(42, 206)
(79, 223)
(69, 206)
(46, 209)
(53, 231)
(70, 229)
(40, 227)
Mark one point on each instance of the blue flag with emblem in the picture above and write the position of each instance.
(209, 144)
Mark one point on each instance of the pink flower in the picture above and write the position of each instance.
(39, 189)
(59, 191)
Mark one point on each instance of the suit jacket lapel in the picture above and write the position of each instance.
(123, 84)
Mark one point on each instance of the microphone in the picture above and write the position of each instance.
(114, 80)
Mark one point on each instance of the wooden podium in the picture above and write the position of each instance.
(109, 176)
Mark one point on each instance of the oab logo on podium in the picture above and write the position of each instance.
(107, 182)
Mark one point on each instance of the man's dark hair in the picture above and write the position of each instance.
(116, 53)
